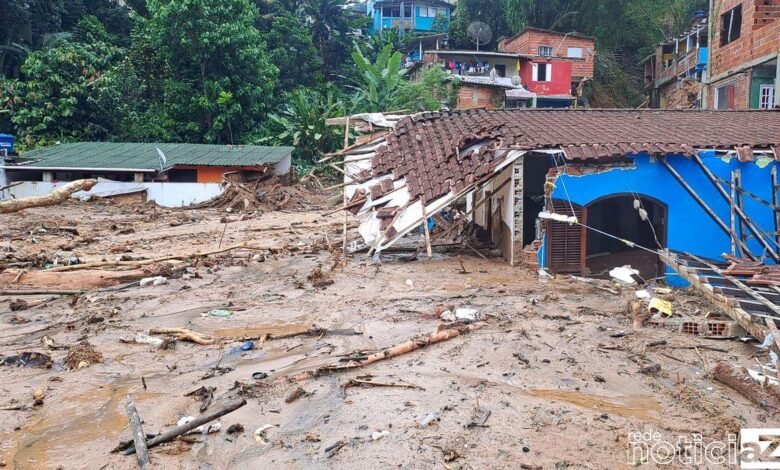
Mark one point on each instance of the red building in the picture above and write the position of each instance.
(574, 48)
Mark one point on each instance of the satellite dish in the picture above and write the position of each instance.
(479, 33)
(516, 80)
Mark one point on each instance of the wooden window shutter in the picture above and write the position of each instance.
(566, 243)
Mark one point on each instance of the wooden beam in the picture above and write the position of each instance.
(704, 206)
(776, 204)
(733, 215)
(738, 186)
(740, 213)
(733, 311)
(774, 308)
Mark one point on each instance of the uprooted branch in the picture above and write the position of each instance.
(183, 334)
(397, 350)
(185, 428)
(58, 196)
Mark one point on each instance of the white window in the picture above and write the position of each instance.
(428, 12)
(574, 53)
(542, 73)
(545, 51)
(766, 97)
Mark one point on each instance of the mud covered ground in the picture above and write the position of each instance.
(559, 384)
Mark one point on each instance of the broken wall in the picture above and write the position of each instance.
(164, 194)
(497, 215)
(689, 228)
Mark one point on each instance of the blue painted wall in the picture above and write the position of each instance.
(689, 228)
(421, 23)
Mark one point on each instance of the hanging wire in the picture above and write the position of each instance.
(642, 207)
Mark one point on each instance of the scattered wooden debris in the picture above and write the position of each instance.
(299, 392)
(187, 427)
(43, 281)
(82, 355)
(740, 381)
(358, 382)
(397, 350)
(206, 394)
(139, 437)
(332, 449)
(183, 334)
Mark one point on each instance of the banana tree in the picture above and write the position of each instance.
(380, 82)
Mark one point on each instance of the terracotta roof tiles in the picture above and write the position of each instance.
(429, 149)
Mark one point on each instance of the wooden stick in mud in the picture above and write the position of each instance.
(58, 196)
(185, 428)
(397, 350)
(41, 292)
(183, 334)
(139, 437)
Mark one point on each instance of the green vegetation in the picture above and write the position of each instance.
(266, 71)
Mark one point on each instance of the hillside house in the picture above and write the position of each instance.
(410, 16)
(676, 72)
(744, 54)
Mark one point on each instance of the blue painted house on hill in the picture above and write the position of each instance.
(411, 16)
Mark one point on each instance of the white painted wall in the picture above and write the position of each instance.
(164, 194)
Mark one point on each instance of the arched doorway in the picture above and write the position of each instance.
(636, 218)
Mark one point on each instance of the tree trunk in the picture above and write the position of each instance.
(58, 196)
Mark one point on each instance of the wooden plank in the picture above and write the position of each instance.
(746, 221)
(687, 187)
(750, 291)
(734, 312)
(776, 208)
(733, 216)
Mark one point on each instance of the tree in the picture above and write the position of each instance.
(56, 100)
(331, 23)
(222, 81)
(300, 121)
(429, 93)
(380, 82)
(292, 51)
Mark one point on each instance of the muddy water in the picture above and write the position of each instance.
(92, 422)
(641, 407)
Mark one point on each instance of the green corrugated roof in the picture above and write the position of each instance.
(144, 156)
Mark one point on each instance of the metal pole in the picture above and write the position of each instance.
(740, 213)
(707, 209)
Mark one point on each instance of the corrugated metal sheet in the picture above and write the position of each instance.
(144, 156)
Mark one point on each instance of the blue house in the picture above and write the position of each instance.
(411, 16)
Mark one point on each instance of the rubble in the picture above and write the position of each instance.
(513, 340)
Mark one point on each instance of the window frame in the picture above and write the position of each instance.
(733, 31)
(770, 96)
(545, 48)
(569, 52)
(547, 73)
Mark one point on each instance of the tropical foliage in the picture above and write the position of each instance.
(241, 71)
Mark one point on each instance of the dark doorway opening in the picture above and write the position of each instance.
(622, 217)
(535, 169)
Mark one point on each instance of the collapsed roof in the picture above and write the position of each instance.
(431, 159)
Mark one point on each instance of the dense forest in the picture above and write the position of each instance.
(265, 71)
